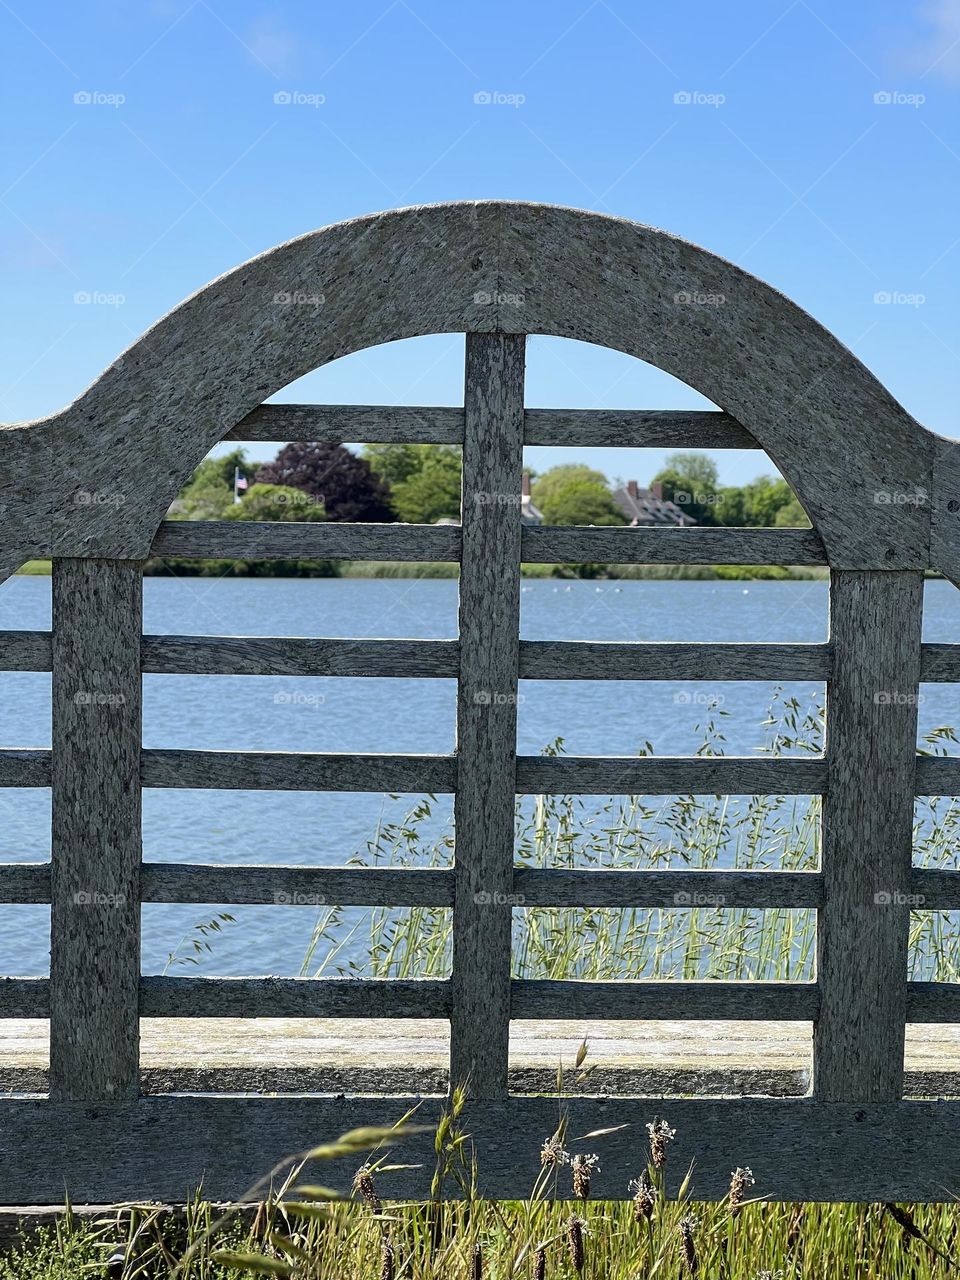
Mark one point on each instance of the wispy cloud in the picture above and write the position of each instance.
(273, 45)
(937, 52)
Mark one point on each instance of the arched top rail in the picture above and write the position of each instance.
(878, 487)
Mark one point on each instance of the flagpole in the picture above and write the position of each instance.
(236, 481)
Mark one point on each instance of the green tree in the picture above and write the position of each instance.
(432, 491)
(276, 502)
(690, 480)
(731, 507)
(209, 493)
(763, 498)
(792, 516)
(575, 494)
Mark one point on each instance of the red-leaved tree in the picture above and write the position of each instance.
(347, 485)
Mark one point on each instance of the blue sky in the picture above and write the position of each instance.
(145, 154)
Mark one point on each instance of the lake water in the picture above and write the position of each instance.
(274, 713)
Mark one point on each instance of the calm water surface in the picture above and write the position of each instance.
(283, 714)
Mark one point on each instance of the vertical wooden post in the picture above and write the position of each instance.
(95, 911)
(487, 711)
(863, 926)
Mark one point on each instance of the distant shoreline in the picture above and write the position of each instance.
(392, 569)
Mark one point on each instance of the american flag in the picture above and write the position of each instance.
(239, 484)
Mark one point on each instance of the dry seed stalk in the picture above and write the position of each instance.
(660, 1135)
(575, 1242)
(741, 1180)
(363, 1183)
(540, 1264)
(583, 1166)
(644, 1197)
(686, 1228)
(477, 1268)
(387, 1268)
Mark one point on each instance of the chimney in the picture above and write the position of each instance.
(656, 490)
(632, 489)
(525, 484)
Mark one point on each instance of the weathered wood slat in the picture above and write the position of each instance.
(298, 656)
(938, 775)
(933, 1002)
(679, 775)
(934, 889)
(351, 423)
(96, 844)
(940, 662)
(546, 998)
(537, 887)
(162, 997)
(636, 429)
(24, 998)
(555, 545)
(24, 768)
(599, 660)
(25, 650)
(487, 711)
(863, 923)
(25, 882)
(296, 771)
(295, 886)
(276, 540)
(798, 1150)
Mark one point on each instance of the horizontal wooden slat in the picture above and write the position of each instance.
(24, 998)
(25, 768)
(940, 662)
(162, 997)
(938, 776)
(797, 1149)
(936, 889)
(679, 775)
(276, 540)
(596, 660)
(545, 998)
(25, 882)
(295, 886)
(298, 656)
(26, 650)
(636, 429)
(626, 545)
(537, 886)
(351, 423)
(296, 771)
(933, 1002)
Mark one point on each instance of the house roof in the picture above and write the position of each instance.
(646, 509)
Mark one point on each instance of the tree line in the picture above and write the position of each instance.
(420, 484)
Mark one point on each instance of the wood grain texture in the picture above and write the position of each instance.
(487, 712)
(636, 429)
(679, 775)
(639, 660)
(25, 882)
(863, 924)
(552, 544)
(798, 1150)
(24, 998)
(935, 775)
(293, 886)
(25, 650)
(940, 662)
(351, 423)
(544, 998)
(299, 656)
(540, 887)
(297, 771)
(96, 843)
(163, 997)
(24, 768)
(276, 540)
(456, 268)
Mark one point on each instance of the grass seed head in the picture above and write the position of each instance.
(363, 1183)
(644, 1197)
(575, 1228)
(388, 1264)
(583, 1166)
(686, 1227)
(741, 1180)
(540, 1264)
(660, 1135)
(553, 1154)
